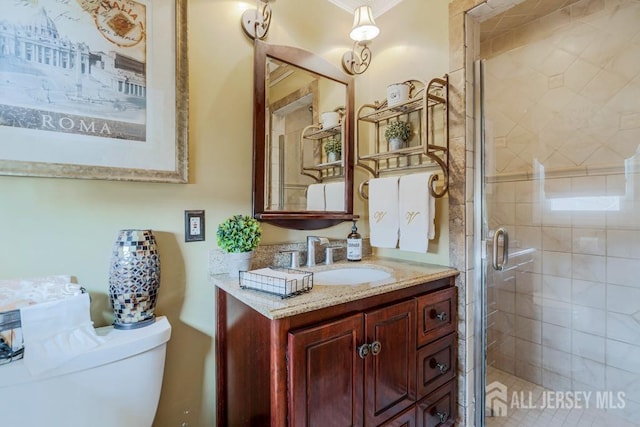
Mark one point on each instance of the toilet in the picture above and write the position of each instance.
(115, 384)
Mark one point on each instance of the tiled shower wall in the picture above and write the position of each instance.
(563, 108)
(289, 127)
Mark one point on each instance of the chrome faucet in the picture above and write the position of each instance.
(311, 248)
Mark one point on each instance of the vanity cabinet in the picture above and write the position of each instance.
(384, 360)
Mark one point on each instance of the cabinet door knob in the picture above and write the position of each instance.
(376, 347)
(442, 367)
(364, 350)
(442, 316)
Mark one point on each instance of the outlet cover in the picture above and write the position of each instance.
(193, 226)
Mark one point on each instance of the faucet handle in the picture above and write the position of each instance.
(328, 254)
(294, 260)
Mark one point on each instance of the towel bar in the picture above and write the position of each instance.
(432, 188)
(361, 190)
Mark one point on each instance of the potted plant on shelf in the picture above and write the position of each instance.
(239, 235)
(397, 134)
(333, 148)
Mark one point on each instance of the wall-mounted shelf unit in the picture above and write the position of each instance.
(427, 112)
(314, 162)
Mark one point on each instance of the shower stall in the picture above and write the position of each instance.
(557, 214)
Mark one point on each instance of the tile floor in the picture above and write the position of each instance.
(533, 416)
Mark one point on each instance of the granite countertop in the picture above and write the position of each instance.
(404, 274)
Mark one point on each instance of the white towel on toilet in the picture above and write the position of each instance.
(315, 197)
(383, 212)
(57, 331)
(334, 196)
(417, 212)
(16, 293)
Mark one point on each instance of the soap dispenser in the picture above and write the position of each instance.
(354, 244)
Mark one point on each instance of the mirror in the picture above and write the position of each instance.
(303, 110)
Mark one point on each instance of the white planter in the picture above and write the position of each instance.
(333, 157)
(396, 143)
(237, 262)
(397, 93)
(330, 119)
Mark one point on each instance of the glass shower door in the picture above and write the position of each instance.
(557, 180)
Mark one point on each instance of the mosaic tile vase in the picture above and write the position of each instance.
(134, 278)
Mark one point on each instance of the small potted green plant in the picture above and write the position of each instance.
(397, 134)
(239, 235)
(333, 148)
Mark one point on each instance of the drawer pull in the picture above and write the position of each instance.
(442, 367)
(443, 416)
(363, 350)
(442, 316)
(376, 347)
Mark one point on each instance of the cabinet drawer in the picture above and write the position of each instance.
(404, 419)
(438, 408)
(436, 364)
(437, 315)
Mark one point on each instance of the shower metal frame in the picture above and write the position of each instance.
(480, 249)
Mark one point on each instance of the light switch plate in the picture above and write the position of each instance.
(193, 226)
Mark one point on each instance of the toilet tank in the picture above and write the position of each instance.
(115, 384)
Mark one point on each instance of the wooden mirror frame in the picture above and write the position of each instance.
(300, 220)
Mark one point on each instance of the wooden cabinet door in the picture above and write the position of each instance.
(390, 375)
(325, 374)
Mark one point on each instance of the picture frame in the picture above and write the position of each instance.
(61, 125)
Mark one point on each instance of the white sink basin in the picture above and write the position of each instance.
(349, 276)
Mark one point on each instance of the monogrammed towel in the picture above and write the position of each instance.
(417, 212)
(383, 212)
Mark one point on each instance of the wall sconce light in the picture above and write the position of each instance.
(357, 60)
(255, 22)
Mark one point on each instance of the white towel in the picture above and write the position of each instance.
(57, 331)
(417, 212)
(383, 212)
(334, 196)
(315, 197)
(16, 293)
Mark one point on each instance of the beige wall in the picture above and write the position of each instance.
(64, 226)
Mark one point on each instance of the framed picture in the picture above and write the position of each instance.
(94, 89)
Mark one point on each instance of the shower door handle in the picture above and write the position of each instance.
(499, 265)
